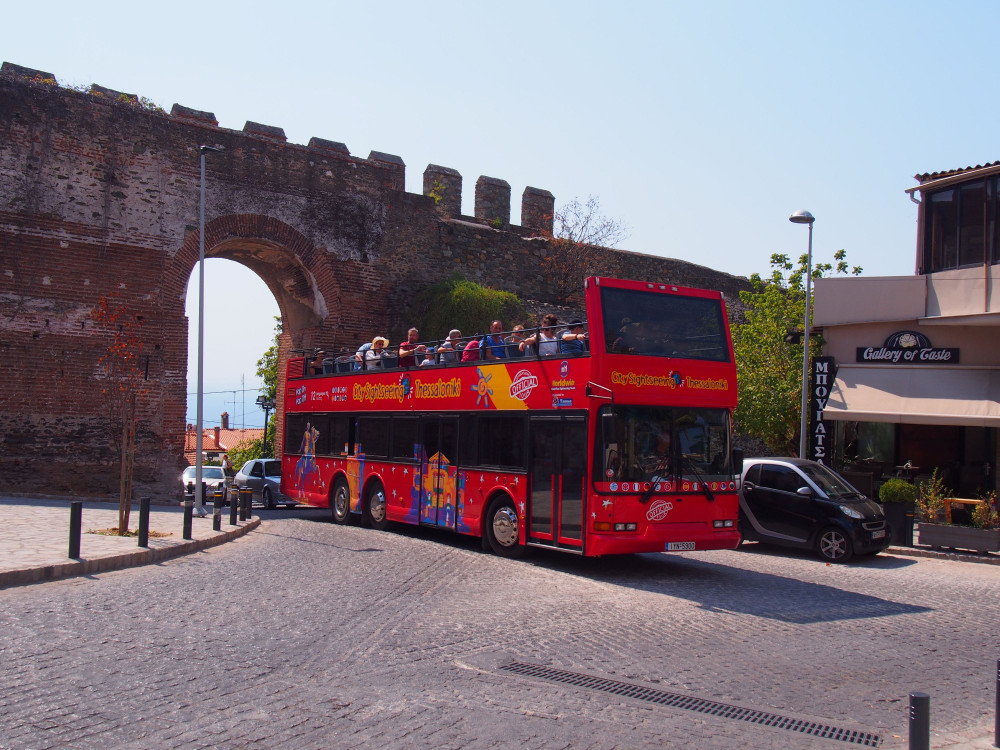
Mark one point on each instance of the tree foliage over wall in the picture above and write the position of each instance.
(465, 305)
(574, 248)
(768, 359)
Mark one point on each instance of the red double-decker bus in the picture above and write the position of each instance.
(624, 447)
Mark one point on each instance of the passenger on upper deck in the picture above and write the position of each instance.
(359, 356)
(428, 357)
(573, 339)
(410, 348)
(545, 339)
(493, 346)
(446, 351)
(471, 351)
(373, 357)
(514, 342)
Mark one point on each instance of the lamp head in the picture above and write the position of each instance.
(204, 148)
(802, 217)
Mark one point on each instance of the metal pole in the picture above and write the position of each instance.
(804, 422)
(920, 721)
(144, 522)
(264, 447)
(199, 488)
(75, 528)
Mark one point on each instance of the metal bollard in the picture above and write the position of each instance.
(143, 521)
(233, 508)
(246, 503)
(920, 721)
(996, 716)
(217, 510)
(188, 513)
(75, 528)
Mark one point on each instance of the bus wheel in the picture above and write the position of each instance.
(502, 531)
(375, 507)
(340, 505)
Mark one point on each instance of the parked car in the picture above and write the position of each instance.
(263, 476)
(793, 502)
(213, 476)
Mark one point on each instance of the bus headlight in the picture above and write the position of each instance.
(625, 527)
(724, 524)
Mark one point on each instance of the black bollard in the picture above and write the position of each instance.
(75, 528)
(188, 513)
(246, 498)
(920, 721)
(217, 511)
(233, 509)
(996, 717)
(144, 522)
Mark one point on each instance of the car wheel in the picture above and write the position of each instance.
(502, 528)
(267, 500)
(375, 507)
(340, 505)
(834, 545)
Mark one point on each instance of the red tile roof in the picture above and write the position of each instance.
(949, 172)
(216, 440)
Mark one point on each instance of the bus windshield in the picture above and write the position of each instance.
(663, 325)
(657, 443)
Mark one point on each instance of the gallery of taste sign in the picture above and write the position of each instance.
(907, 348)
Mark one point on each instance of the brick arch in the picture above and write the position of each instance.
(298, 274)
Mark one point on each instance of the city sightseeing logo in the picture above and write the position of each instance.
(522, 385)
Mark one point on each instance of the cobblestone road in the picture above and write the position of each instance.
(306, 635)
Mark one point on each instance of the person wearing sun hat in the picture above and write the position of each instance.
(373, 357)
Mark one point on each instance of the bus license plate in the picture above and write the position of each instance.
(679, 546)
(880, 534)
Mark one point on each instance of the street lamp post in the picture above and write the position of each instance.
(804, 217)
(198, 486)
(266, 404)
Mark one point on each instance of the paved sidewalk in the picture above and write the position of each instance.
(34, 538)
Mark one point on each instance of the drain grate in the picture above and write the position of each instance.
(689, 703)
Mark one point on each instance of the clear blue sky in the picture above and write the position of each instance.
(702, 125)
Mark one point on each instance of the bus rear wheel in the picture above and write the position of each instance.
(340, 504)
(502, 528)
(375, 507)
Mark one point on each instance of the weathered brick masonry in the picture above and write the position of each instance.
(100, 196)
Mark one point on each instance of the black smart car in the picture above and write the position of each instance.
(798, 503)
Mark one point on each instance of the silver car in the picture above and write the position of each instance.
(263, 477)
(212, 476)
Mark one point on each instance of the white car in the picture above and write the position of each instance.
(263, 476)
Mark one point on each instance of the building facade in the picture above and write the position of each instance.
(916, 359)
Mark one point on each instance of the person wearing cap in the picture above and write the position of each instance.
(446, 351)
(373, 357)
(573, 339)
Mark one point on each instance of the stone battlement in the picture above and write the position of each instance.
(442, 184)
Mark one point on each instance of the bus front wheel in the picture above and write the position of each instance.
(375, 507)
(502, 528)
(340, 505)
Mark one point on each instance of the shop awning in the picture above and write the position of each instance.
(916, 395)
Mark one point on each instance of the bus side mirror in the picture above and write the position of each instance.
(737, 460)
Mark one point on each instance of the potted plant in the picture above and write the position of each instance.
(984, 536)
(898, 498)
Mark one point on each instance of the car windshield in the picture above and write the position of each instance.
(832, 484)
(643, 442)
(272, 468)
(207, 472)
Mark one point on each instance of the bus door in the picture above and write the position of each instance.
(438, 472)
(557, 477)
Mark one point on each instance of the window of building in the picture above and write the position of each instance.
(960, 226)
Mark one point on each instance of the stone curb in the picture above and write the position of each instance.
(985, 558)
(117, 562)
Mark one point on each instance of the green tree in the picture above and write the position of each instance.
(465, 305)
(768, 358)
(267, 371)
